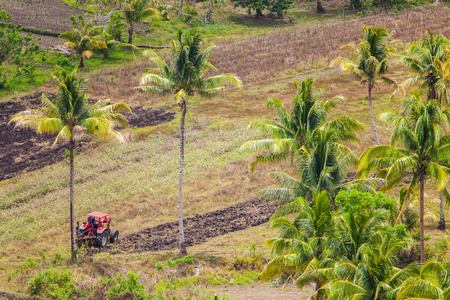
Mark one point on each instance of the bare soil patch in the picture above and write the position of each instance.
(41, 14)
(7, 296)
(23, 150)
(198, 229)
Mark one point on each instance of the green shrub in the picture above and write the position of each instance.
(121, 288)
(357, 201)
(53, 283)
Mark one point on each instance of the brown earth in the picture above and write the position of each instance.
(23, 150)
(52, 15)
(197, 229)
(7, 296)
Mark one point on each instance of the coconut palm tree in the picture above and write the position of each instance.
(369, 60)
(302, 242)
(419, 129)
(296, 127)
(431, 281)
(70, 115)
(345, 252)
(185, 77)
(324, 167)
(429, 60)
(112, 36)
(373, 276)
(135, 12)
(84, 39)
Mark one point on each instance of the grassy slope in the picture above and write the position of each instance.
(136, 182)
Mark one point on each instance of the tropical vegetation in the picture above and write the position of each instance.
(344, 214)
(70, 115)
(369, 60)
(84, 39)
(185, 77)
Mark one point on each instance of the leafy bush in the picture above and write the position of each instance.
(186, 259)
(120, 287)
(53, 283)
(159, 266)
(64, 62)
(357, 201)
(275, 6)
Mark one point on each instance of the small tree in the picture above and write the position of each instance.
(84, 39)
(276, 6)
(70, 115)
(135, 12)
(12, 43)
(185, 77)
(369, 61)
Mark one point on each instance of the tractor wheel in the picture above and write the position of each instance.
(114, 235)
(102, 239)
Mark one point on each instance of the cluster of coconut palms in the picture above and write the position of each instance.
(89, 36)
(350, 252)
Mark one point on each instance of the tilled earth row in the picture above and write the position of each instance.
(23, 150)
(198, 229)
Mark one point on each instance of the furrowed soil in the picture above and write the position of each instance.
(23, 150)
(7, 296)
(197, 229)
(41, 14)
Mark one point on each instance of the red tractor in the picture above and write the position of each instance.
(96, 231)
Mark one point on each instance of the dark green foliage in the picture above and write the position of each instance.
(360, 201)
(274, 6)
(13, 46)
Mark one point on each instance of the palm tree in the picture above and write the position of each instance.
(369, 61)
(297, 126)
(419, 128)
(112, 35)
(185, 77)
(134, 12)
(302, 242)
(345, 252)
(431, 281)
(429, 60)
(70, 115)
(324, 167)
(373, 276)
(84, 39)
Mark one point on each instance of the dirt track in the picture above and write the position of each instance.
(23, 150)
(197, 229)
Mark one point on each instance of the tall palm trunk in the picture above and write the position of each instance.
(130, 33)
(72, 196)
(180, 180)
(371, 114)
(422, 178)
(432, 94)
(320, 8)
(441, 225)
(81, 61)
